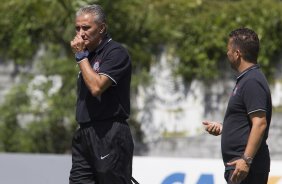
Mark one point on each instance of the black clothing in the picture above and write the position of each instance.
(251, 94)
(112, 60)
(252, 178)
(102, 154)
(102, 148)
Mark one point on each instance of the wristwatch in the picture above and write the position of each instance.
(248, 160)
(81, 55)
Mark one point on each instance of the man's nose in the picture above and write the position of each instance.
(80, 32)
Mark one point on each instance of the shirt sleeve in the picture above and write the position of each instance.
(254, 96)
(115, 64)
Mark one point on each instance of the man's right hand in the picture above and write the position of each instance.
(213, 128)
(77, 44)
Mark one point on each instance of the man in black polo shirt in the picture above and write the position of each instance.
(102, 148)
(248, 115)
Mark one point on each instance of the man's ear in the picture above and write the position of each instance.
(103, 28)
(238, 53)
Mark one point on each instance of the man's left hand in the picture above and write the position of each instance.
(241, 170)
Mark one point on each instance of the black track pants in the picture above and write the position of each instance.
(102, 154)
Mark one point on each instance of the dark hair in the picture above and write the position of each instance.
(97, 10)
(247, 41)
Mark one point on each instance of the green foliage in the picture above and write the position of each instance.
(197, 30)
(145, 27)
(206, 32)
(35, 119)
(39, 31)
(9, 127)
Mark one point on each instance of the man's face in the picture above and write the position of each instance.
(233, 55)
(89, 30)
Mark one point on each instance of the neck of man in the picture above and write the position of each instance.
(93, 47)
(244, 65)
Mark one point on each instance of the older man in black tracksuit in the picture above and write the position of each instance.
(102, 148)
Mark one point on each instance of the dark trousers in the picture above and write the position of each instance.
(252, 178)
(102, 154)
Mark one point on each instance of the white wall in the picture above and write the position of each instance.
(54, 169)
(151, 170)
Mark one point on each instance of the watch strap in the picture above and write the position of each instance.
(81, 55)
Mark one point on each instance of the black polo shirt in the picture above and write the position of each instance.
(251, 94)
(112, 60)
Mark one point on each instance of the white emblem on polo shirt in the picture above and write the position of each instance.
(96, 66)
(235, 90)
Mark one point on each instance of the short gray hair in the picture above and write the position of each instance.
(96, 10)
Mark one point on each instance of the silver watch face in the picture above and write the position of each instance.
(248, 160)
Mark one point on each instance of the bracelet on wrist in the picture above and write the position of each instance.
(80, 61)
(79, 56)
